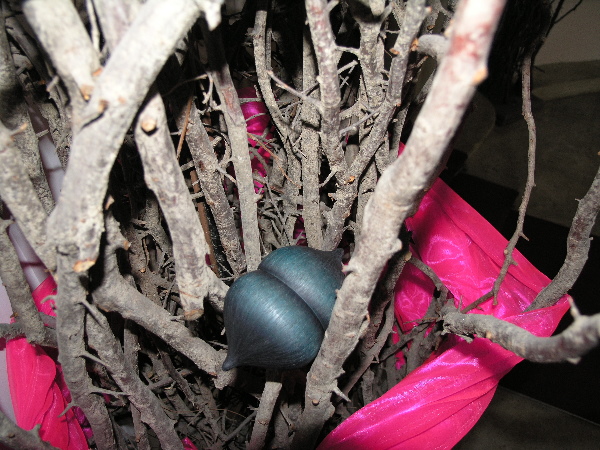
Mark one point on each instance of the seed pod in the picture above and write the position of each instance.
(276, 316)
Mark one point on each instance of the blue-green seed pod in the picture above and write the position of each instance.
(276, 316)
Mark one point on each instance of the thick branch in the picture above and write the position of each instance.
(59, 29)
(398, 189)
(15, 437)
(70, 312)
(163, 175)
(581, 336)
(120, 90)
(14, 115)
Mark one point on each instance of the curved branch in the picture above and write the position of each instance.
(398, 189)
(120, 89)
(578, 339)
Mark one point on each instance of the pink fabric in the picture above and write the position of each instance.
(257, 121)
(188, 444)
(38, 391)
(437, 404)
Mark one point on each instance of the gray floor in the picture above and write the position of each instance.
(513, 421)
(567, 114)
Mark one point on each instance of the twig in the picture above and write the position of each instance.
(529, 185)
(240, 427)
(103, 341)
(304, 96)
(347, 193)
(184, 126)
(264, 413)
(236, 127)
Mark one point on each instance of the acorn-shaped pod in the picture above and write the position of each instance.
(276, 316)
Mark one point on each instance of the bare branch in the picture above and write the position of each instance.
(71, 347)
(309, 144)
(529, 185)
(433, 45)
(579, 338)
(23, 306)
(116, 294)
(236, 127)
(323, 40)
(347, 193)
(399, 187)
(151, 411)
(14, 115)
(77, 219)
(58, 26)
(206, 164)
(265, 413)
(262, 68)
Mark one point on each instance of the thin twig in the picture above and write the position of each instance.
(529, 185)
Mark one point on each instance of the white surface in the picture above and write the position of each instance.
(5, 400)
(575, 38)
